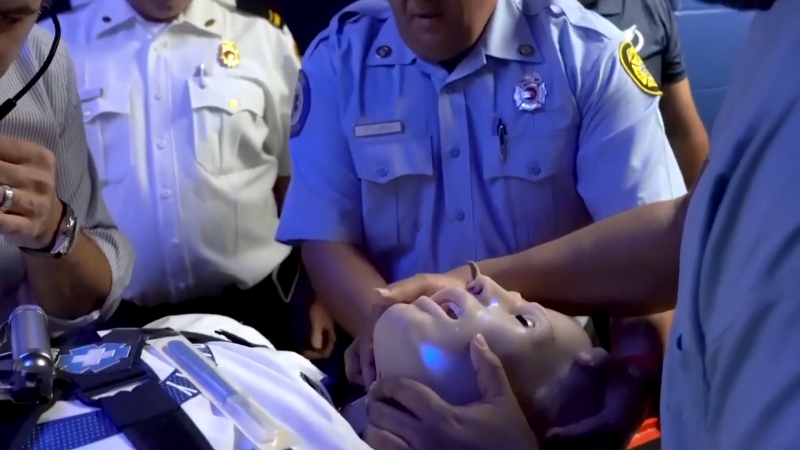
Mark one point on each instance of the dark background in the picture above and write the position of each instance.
(306, 21)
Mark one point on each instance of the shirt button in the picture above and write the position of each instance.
(534, 169)
(166, 194)
(176, 242)
(382, 172)
(460, 216)
(160, 145)
(182, 286)
(455, 152)
(157, 96)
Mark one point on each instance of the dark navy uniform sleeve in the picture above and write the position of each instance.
(672, 69)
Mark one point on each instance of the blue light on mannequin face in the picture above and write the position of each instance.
(434, 359)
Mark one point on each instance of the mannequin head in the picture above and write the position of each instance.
(428, 341)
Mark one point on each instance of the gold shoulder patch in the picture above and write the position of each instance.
(275, 19)
(635, 68)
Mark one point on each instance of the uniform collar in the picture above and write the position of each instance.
(204, 15)
(111, 14)
(607, 8)
(389, 49)
(506, 33)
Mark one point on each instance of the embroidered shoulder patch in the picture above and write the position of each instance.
(301, 105)
(635, 68)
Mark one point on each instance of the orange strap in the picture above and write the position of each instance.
(649, 431)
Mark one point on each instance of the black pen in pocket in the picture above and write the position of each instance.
(502, 137)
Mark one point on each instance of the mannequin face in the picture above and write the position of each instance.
(428, 341)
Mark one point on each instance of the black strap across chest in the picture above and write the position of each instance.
(148, 417)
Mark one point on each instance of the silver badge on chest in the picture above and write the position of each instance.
(530, 93)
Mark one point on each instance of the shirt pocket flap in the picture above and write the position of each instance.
(96, 101)
(229, 95)
(383, 160)
(533, 158)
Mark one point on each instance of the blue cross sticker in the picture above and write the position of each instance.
(93, 358)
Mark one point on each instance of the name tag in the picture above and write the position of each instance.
(378, 129)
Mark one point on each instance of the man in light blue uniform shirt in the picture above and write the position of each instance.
(731, 372)
(427, 134)
(732, 367)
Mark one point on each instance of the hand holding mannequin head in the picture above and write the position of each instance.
(428, 341)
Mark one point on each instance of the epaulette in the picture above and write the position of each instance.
(355, 12)
(267, 9)
(56, 7)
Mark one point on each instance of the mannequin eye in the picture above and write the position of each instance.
(524, 321)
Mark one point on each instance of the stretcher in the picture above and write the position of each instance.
(649, 433)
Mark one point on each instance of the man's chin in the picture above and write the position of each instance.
(743, 5)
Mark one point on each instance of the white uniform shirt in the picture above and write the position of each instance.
(732, 370)
(187, 149)
(271, 378)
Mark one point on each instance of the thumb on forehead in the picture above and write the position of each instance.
(404, 291)
(492, 379)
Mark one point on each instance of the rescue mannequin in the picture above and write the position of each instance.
(428, 341)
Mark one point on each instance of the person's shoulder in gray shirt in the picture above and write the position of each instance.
(50, 115)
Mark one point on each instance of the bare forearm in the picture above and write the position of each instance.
(626, 265)
(687, 135)
(74, 285)
(691, 151)
(347, 280)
